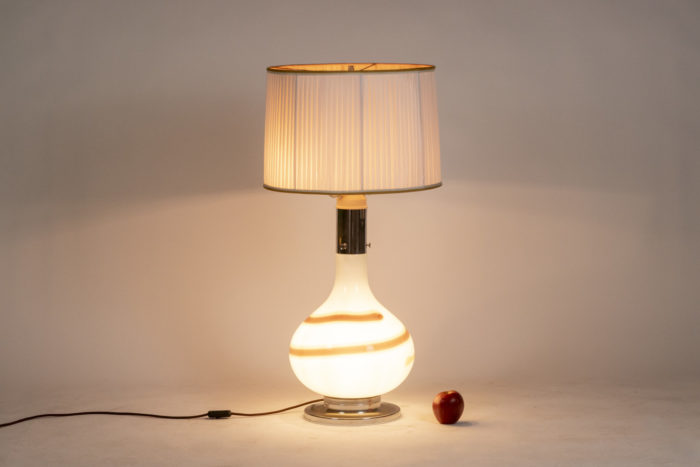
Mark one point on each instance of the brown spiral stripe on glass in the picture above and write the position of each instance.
(350, 349)
(344, 317)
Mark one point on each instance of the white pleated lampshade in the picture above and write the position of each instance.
(351, 128)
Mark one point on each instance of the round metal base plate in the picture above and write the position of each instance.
(377, 413)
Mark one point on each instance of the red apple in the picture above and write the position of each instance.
(448, 407)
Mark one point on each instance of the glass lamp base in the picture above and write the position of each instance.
(366, 411)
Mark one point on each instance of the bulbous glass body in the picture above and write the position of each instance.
(351, 346)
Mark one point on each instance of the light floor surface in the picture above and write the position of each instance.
(577, 424)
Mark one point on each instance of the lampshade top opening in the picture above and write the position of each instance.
(350, 68)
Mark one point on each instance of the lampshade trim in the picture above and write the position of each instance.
(364, 192)
(416, 68)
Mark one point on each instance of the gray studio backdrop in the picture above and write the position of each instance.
(138, 248)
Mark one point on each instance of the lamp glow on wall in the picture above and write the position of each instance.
(348, 130)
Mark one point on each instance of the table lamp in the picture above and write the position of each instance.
(349, 130)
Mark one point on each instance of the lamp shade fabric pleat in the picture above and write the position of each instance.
(351, 128)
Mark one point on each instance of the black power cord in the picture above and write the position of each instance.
(209, 414)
